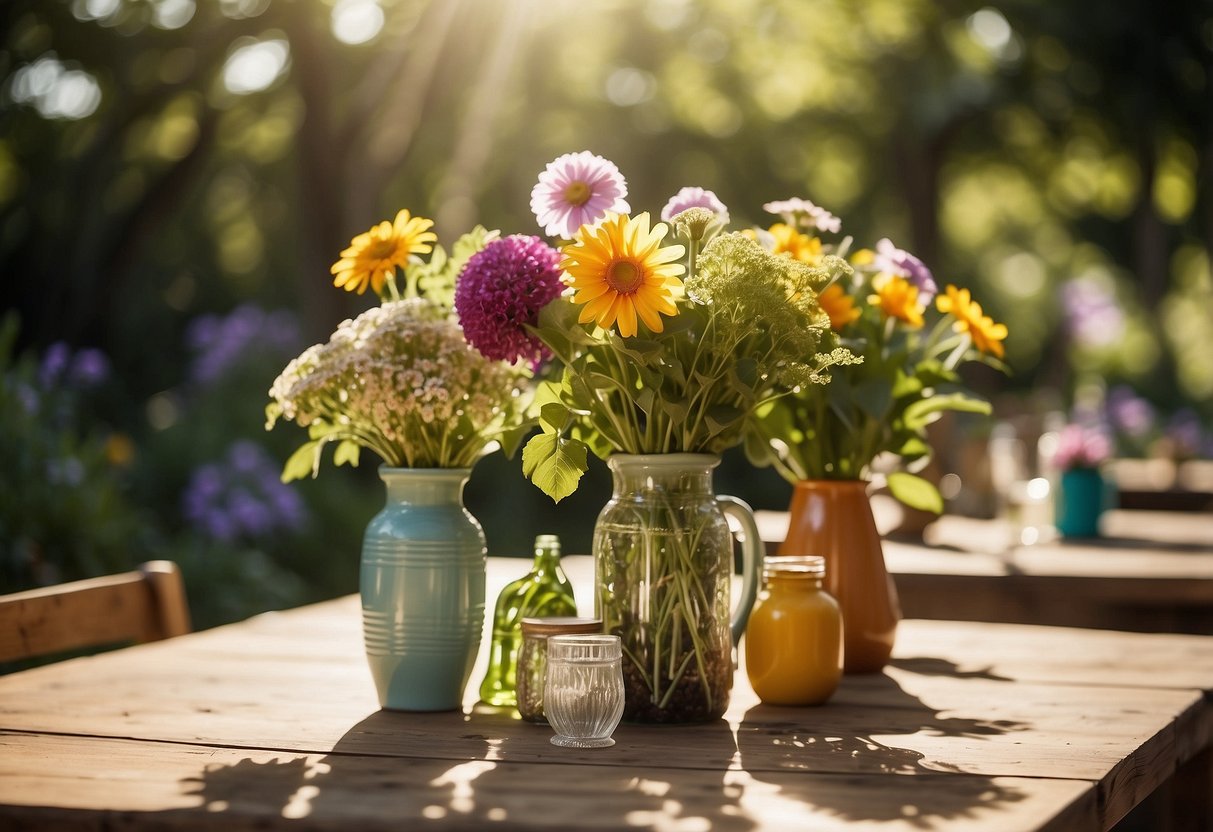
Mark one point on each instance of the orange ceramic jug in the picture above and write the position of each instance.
(833, 518)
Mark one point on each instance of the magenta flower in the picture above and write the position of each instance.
(501, 290)
(691, 197)
(577, 189)
(889, 258)
(796, 210)
(1081, 447)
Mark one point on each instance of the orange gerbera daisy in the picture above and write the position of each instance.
(838, 305)
(376, 254)
(620, 271)
(897, 298)
(801, 247)
(987, 336)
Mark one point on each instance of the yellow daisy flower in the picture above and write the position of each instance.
(801, 247)
(897, 298)
(620, 272)
(838, 305)
(987, 335)
(374, 255)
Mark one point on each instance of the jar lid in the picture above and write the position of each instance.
(560, 625)
(584, 648)
(794, 566)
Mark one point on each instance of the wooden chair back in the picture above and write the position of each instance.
(145, 605)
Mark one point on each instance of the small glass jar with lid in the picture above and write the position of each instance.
(532, 658)
(794, 635)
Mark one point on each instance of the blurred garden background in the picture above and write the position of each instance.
(177, 176)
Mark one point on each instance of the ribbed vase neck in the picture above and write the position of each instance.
(424, 486)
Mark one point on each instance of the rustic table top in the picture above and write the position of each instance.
(1150, 571)
(260, 724)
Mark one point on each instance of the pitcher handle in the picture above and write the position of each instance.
(751, 561)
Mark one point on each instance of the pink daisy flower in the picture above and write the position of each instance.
(796, 208)
(577, 189)
(691, 197)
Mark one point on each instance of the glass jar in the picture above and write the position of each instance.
(794, 638)
(544, 591)
(532, 658)
(663, 561)
(584, 691)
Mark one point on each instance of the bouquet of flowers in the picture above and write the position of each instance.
(882, 310)
(400, 379)
(656, 338)
(669, 339)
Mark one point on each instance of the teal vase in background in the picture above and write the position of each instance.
(1081, 499)
(422, 585)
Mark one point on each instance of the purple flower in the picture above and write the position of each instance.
(1092, 314)
(28, 397)
(241, 497)
(1186, 434)
(1129, 413)
(1081, 447)
(893, 260)
(692, 197)
(577, 189)
(54, 363)
(220, 343)
(501, 290)
(90, 368)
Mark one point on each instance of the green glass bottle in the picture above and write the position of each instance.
(543, 592)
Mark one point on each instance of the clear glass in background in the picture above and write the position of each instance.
(1022, 478)
(583, 697)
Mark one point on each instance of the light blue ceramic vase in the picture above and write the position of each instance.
(422, 583)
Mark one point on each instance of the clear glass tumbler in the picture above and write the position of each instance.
(583, 697)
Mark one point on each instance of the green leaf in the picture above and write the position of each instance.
(874, 397)
(512, 438)
(914, 446)
(722, 417)
(915, 492)
(304, 462)
(553, 416)
(638, 349)
(922, 413)
(347, 452)
(554, 464)
(744, 373)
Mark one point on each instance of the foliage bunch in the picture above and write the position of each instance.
(400, 380)
(911, 350)
(746, 330)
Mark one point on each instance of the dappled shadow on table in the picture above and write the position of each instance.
(495, 771)
(379, 776)
(777, 743)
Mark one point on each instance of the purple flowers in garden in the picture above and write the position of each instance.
(220, 343)
(501, 290)
(85, 369)
(1092, 315)
(241, 497)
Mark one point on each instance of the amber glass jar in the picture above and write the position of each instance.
(532, 658)
(794, 637)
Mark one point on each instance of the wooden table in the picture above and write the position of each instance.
(272, 724)
(1150, 572)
